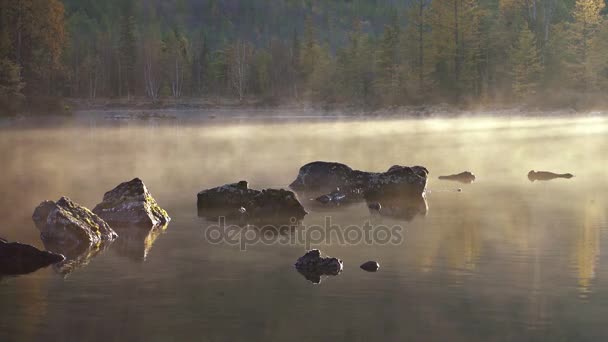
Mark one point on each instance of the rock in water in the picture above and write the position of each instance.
(237, 199)
(17, 258)
(312, 265)
(463, 177)
(273, 204)
(370, 266)
(69, 223)
(324, 176)
(547, 176)
(131, 204)
(235, 196)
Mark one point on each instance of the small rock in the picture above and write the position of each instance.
(547, 176)
(17, 258)
(371, 266)
(67, 222)
(312, 265)
(131, 204)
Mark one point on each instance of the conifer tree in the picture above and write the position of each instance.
(525, 64)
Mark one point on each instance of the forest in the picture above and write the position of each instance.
(367, 53)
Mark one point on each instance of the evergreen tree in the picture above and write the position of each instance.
(127, 51)
(388, 64)
(525, 64)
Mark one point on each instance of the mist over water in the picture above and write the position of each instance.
(506, 258)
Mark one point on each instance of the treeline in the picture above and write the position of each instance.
(360, 52)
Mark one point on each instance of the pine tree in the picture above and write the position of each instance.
(388, 64)
(127, 51)
(417, 48)
(525, 64)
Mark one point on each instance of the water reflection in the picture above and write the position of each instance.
(503, 258)
(135, 243)
(76, 256)
(587, 252)
(405, 208)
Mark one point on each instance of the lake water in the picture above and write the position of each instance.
(505, 259)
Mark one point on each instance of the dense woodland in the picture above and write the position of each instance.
(373, 53)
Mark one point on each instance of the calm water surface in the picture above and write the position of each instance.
(503, 260)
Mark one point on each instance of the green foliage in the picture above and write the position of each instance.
(525, 65)
(346, 52)
(10, 86)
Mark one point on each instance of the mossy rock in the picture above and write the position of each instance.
(131, 204)
(68, 223)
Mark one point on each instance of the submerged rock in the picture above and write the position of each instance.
(69, 223)
(370, 266)
(463, 177)
(131, 204)
(325, 176)
(17, 258)
(546, 175)
(312, 265)
(237, 200)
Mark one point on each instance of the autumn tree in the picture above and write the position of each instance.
(581, 33)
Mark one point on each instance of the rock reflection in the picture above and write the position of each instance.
(315, 277)
(135, 243)
(405, 208)
(76, 256)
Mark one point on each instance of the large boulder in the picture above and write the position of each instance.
(69, 223)
(312, 266)
(238, 200)
(233, 196)
(17, 258)
(271, 204)
(131, 204)
(324, 176)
